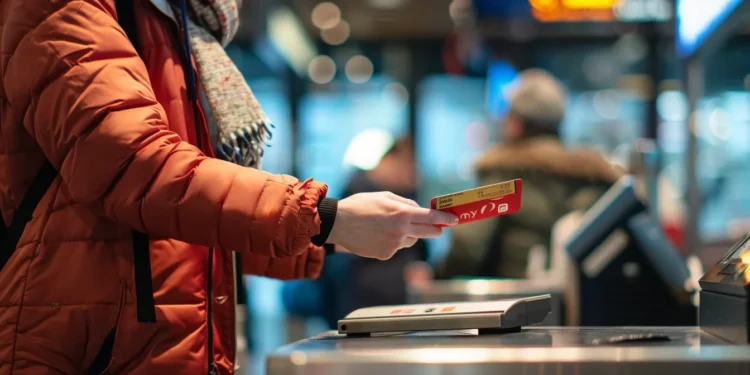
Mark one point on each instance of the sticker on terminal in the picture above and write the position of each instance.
(482, 202)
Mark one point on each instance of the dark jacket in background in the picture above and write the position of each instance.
(556, 181)
(371, 282)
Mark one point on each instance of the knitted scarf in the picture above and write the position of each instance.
(243, 126)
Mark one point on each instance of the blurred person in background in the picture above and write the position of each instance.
(373, 283)
(117, 255)
(348, 283)
(556, 180)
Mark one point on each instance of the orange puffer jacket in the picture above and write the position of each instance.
(117, 127)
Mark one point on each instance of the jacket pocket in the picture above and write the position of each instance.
(104, 357)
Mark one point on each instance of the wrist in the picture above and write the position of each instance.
(338, 232)
(327, 211)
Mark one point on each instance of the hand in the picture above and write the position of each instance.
(376, 225)
(418, 274)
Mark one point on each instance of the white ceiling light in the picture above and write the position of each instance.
(367, 148)
(719, 126)
(322, 69)
(290, 39)
(672, 106)
(326, 15)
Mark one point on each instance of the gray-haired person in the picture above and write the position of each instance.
(556, 180)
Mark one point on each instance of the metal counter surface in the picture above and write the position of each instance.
(540, 350)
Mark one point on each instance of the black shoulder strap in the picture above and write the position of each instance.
(126, 19)
(144, 291)
(10, 235)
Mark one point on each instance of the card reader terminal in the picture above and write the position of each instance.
(486, 316)
(725, 296)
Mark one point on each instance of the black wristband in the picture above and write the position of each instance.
(327, 209)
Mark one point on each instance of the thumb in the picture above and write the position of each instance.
(431, 217)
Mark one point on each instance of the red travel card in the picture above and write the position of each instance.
(482, 202)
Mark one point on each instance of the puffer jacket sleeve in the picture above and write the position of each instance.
(309, 263)
(90, 107)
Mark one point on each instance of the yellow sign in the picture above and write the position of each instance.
(474, 195)
(574, 10)
(544, 5)
(590, 4)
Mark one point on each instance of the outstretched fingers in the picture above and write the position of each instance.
(431, 217)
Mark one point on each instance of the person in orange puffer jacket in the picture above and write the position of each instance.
(122, 265)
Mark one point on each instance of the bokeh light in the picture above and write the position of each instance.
(398, 91)
(719, 125)
(738, 104)
(477, 135)
(359, 69)
(367, 148)
(631, 48)
(607, 104)
(336, 35)
(326, 15)
(322, 69)
(672, 106)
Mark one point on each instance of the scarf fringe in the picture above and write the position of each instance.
(242, 125)
(244, 146)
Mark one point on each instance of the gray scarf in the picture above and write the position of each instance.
(242, 125)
